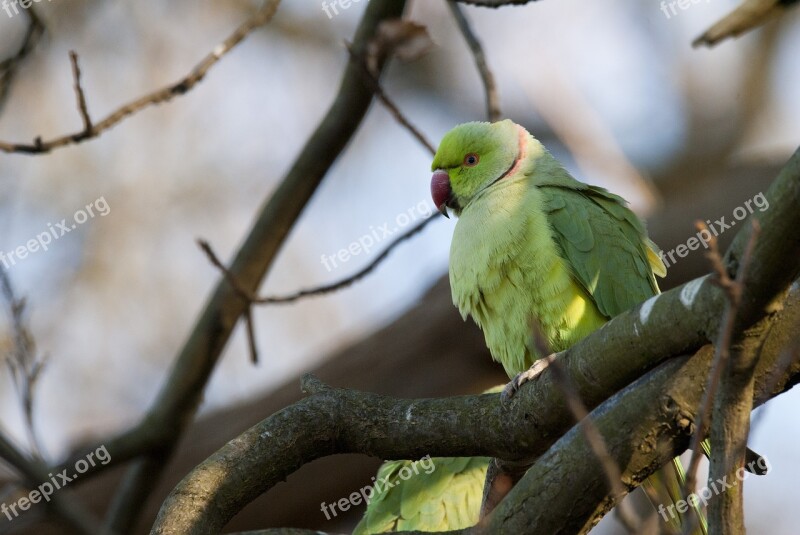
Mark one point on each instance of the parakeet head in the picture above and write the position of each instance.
(472, 157)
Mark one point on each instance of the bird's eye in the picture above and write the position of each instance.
(471, 159)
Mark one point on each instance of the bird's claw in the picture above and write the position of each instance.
(521, 378)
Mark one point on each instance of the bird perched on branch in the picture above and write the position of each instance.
(532, 242)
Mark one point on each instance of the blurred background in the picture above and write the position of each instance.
(612, 87)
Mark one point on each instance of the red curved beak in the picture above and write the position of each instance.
(440, 190)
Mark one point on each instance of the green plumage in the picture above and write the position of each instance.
(442, 499)
(532, 242)
(449, 497)
(537, 243)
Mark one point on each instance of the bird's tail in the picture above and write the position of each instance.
(666, 486)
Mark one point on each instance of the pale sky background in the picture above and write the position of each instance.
(112, 302)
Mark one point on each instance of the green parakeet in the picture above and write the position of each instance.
(533, 242)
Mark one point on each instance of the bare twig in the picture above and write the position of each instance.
(10, 66)
(627, 516)
(79, 95)
(165, 94)
(492, 99)
(251, 299)
(318, 290)
(747, 16)
(25, 366)
(375, 85)
(732, 289)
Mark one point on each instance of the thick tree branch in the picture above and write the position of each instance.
(337, 421)
(177, 402)
(645, 426)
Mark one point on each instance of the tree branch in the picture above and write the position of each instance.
(158, 432)
(493, 112)
(339, 421)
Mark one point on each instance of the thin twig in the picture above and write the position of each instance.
(165, 94)
(23, 363)
(252, 299)
(377, 89)
(319, 290)
(627, 516)
(492, 99)
(733, 289)
(80, 96)
(251, 335)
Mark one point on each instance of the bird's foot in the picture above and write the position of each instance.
(528, 375)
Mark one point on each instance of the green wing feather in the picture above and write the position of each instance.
(666, 488)
(604, 243)
(447, 498)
